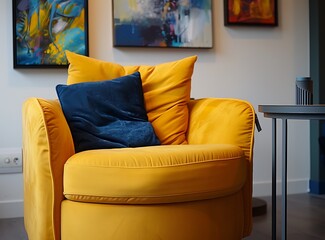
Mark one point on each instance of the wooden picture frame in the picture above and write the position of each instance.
(43, 30)
(251, 12)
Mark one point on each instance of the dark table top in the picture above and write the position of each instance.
(316, 111)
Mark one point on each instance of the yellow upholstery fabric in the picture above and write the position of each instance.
(151, 175)
(47, 145)
(214, 219)
(166, 89)
(224, 125)
(227, 121)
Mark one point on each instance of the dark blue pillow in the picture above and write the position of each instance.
(107, 114)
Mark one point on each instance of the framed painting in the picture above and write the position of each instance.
(44, 29)
(251, 12)
(162, 23)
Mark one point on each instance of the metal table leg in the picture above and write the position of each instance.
(284, 178)
(274, 152)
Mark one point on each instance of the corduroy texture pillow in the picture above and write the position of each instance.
(107, 114)
(166, 89)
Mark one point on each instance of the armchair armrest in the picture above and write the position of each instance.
(222, 120)
(226, 121)
(47, 144)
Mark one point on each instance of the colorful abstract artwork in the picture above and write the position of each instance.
(44, 29)
(163, 23)
(251, 12)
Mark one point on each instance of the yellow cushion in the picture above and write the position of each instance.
(166, 89)
(158, 174)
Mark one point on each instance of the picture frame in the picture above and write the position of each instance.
(43, 30)
(164, 24)
(251, 13)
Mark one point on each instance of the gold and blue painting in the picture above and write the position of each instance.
(44, 29)
(163, 23)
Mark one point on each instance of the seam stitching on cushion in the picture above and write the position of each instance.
(152, 197)
(165, 166)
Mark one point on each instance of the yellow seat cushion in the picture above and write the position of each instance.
(166, 89)
(152, 175)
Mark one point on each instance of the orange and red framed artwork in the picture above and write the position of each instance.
(251, 12)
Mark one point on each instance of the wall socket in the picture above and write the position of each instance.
(11, 160)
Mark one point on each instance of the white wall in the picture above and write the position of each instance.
(256, 64)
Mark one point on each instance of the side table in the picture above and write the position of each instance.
(285, 112)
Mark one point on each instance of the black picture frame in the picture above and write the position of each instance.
(251, 13)
(43, 30)
(163, 24)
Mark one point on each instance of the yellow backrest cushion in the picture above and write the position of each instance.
(166, 89)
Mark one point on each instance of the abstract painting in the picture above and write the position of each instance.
(251, 12)
(162, 23)
(44, 29)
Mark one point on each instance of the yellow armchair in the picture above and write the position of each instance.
(198, 190)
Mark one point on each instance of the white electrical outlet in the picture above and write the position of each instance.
(11, 160)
